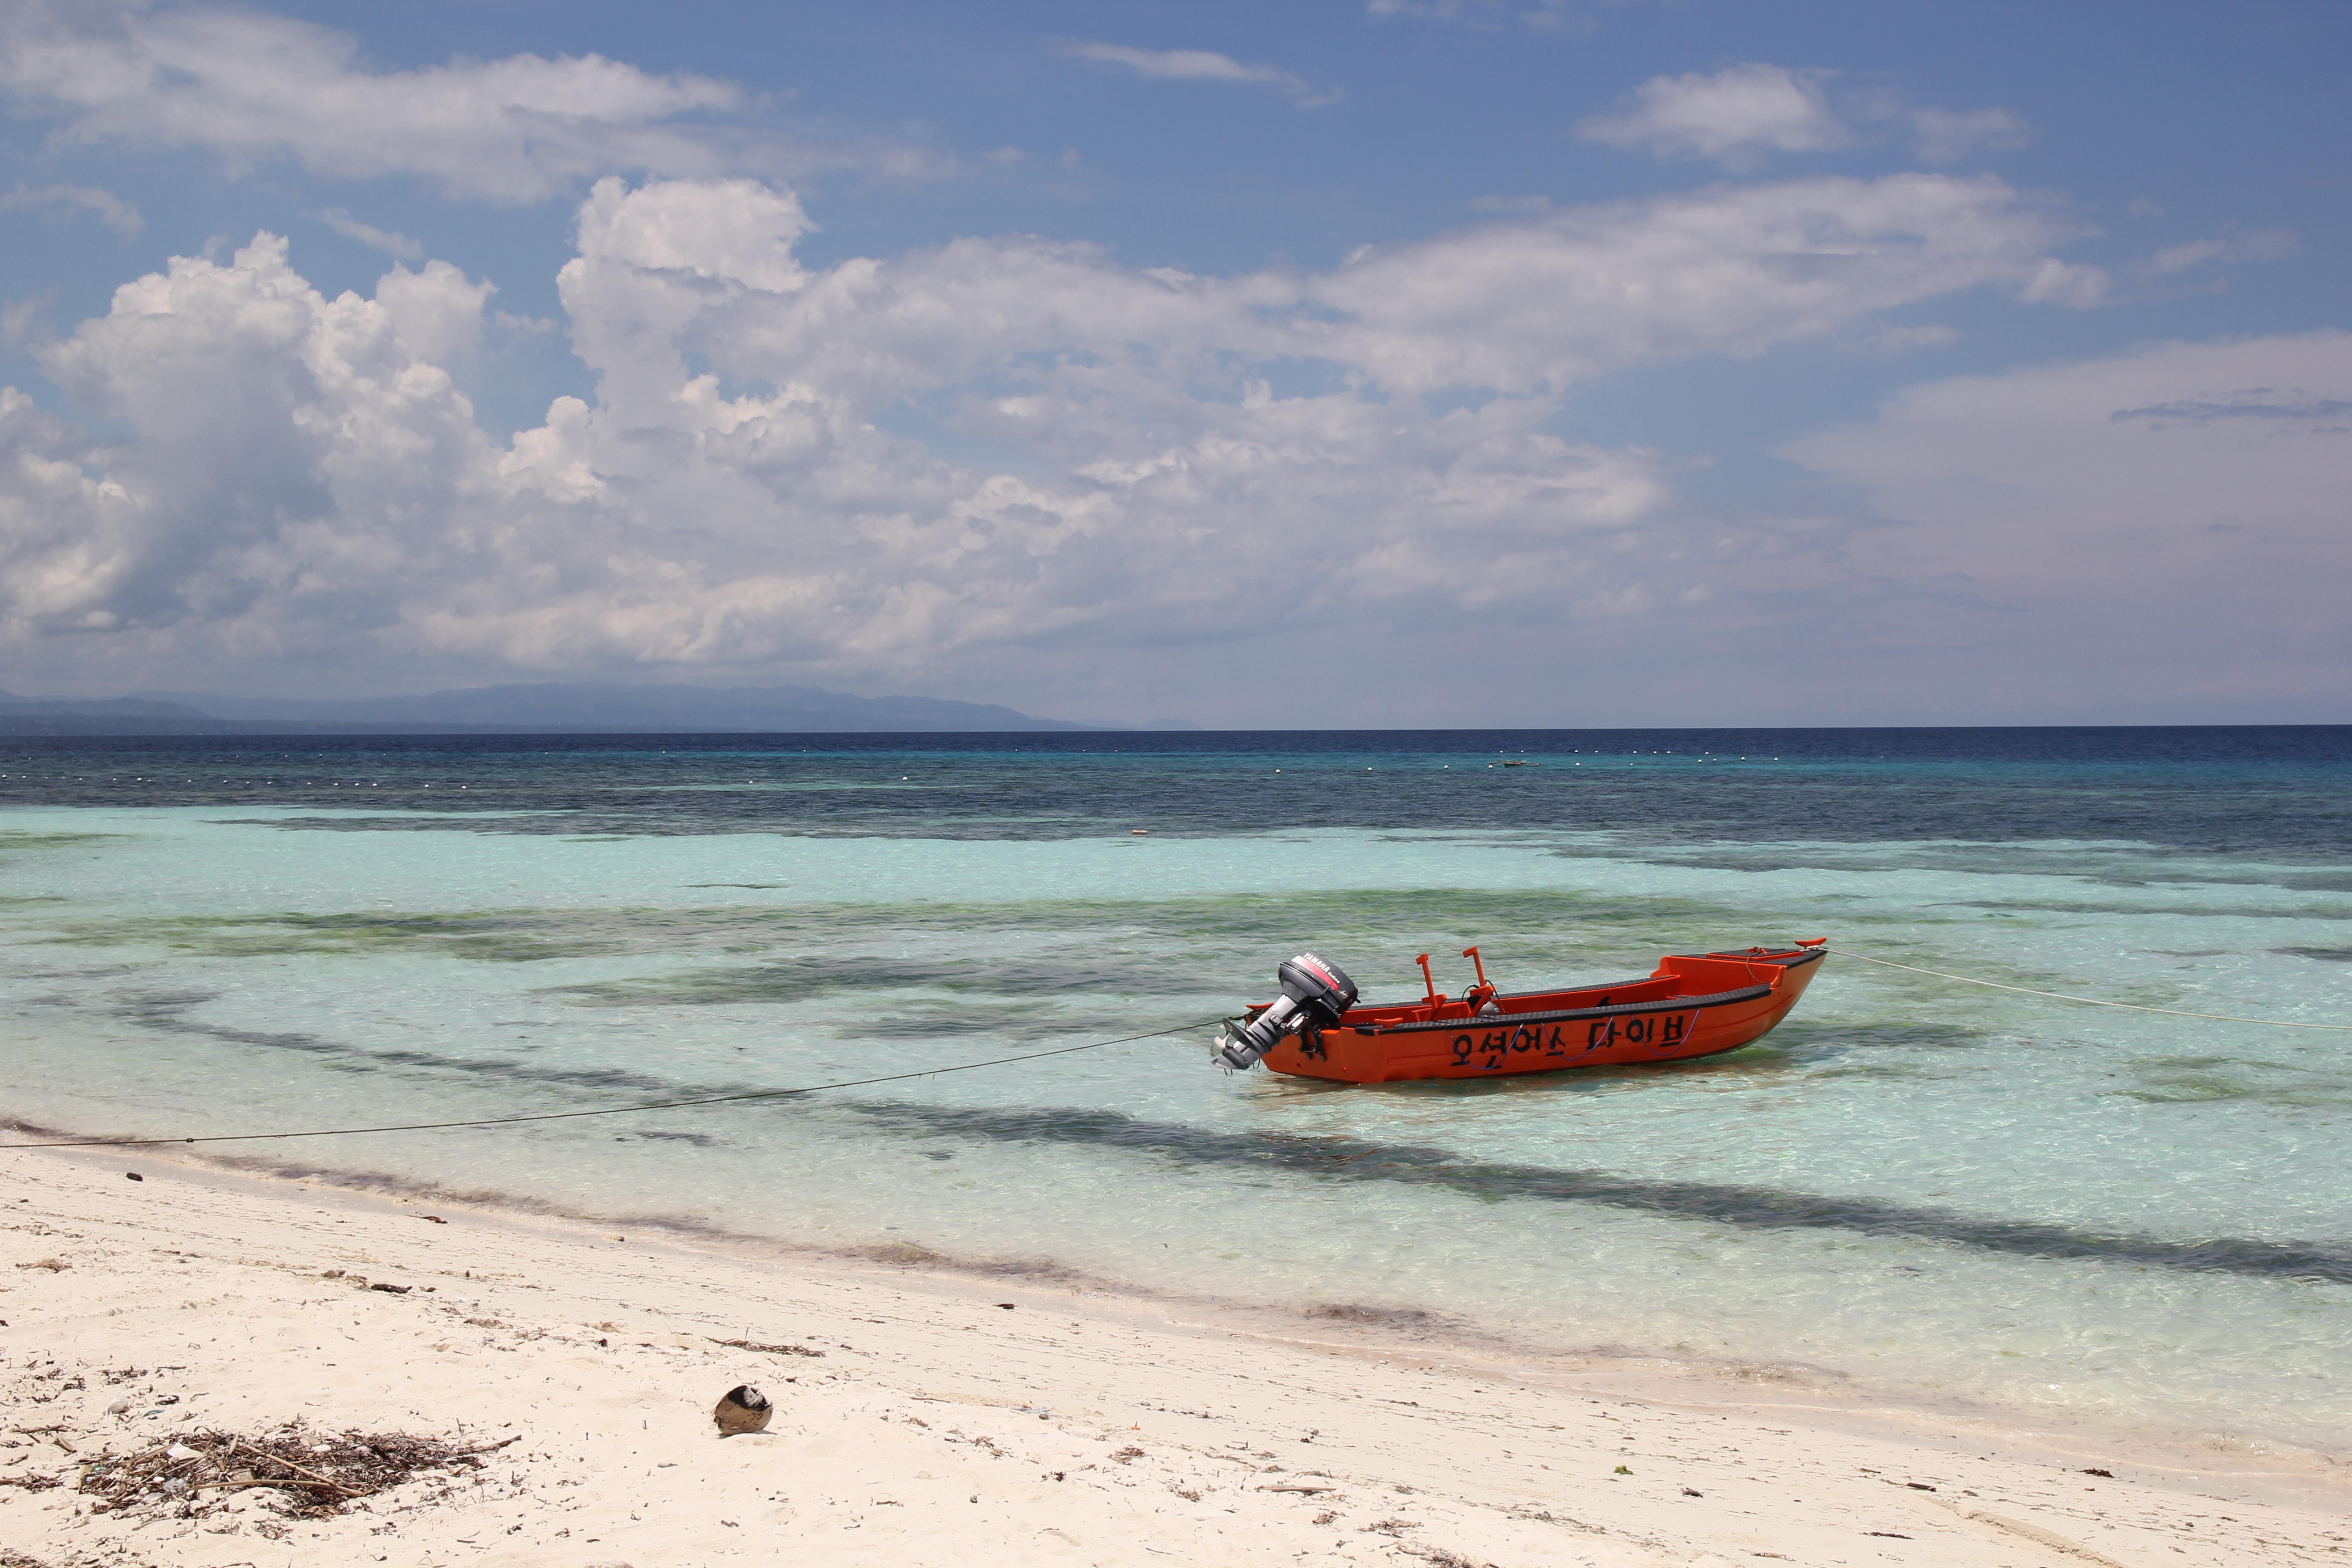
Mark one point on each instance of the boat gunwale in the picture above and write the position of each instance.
(1604, 986)
(1562, 1015)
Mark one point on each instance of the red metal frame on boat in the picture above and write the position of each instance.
(1693, 1004)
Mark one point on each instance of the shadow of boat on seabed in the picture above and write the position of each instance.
(1746, 1207)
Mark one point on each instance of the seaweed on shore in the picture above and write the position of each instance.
(312, 1476)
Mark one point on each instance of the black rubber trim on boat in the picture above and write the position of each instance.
(1510, 1020)
(1785, 959)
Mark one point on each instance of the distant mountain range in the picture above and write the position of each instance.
(573, 706)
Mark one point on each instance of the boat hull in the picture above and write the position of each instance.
(1693, 1004)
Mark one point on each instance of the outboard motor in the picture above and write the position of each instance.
(1314, 995)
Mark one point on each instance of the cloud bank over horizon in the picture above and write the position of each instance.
(1016, 468)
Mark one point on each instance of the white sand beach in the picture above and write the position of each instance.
(925, 1414)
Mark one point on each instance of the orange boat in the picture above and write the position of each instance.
(1692, 1005)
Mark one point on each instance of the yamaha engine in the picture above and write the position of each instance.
(1314, 995)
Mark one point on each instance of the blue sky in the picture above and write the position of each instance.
(1450, 362)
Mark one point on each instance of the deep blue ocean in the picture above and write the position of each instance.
(1913, 1188)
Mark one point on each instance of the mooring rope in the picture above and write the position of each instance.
(2090, 1001)
(609, 1110)
(1027, 1056)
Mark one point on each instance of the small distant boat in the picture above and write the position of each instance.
(1520, 763)
(1693, 1004)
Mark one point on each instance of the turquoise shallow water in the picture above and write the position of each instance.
(1936, 1189)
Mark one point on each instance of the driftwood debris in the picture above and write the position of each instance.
(767, 1350)
(313, 1474)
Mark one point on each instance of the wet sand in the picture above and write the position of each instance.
(949, 1417)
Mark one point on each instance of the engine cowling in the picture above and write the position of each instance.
(1314, 995)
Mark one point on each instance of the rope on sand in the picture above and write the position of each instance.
(2091, 1001)
(610, 1110)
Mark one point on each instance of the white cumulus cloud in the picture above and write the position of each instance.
(2221, 249)
(436, 309)
(1559, 15)
(2056, 282)
(967, 461)
(1736, 115)
(1734, 270)
(1743, 114)
(104, 206)
(250, 85)
(1197, 65)
(2160, 533)
(389, 241)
